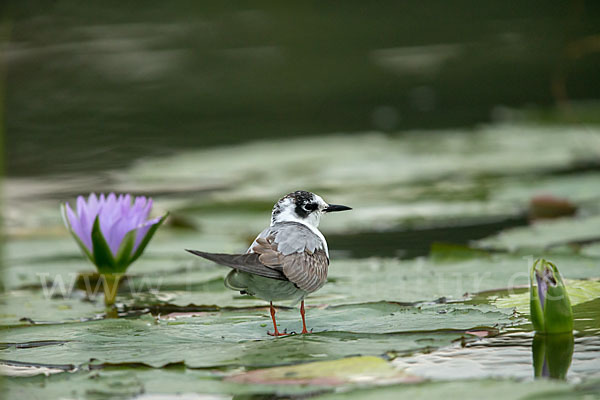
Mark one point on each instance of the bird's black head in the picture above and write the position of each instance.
(302, 206)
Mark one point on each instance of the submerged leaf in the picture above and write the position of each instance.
(328, 373)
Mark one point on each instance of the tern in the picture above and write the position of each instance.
(288, 260)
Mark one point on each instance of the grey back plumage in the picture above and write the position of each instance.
(296, 251)
(291, 237)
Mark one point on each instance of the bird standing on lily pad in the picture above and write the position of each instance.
(288, 260)
(112, 231)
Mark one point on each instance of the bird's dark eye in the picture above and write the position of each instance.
(311, 206)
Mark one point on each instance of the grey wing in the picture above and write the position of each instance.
(296, 251)
(307, 270)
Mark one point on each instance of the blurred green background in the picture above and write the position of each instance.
(96, 84)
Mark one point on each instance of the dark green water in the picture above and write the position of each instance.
(94, 85)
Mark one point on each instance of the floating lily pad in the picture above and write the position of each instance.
(328, 373)
(182, 333)
(143, 383)
(373, 280)
(239, 338)
(579, 292)
(500, 150)
(591, 250)
(581, 189)
(197, 285)
(467, 389)
(546, 234)
(486, 173)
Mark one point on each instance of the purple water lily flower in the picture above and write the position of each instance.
(111, 230)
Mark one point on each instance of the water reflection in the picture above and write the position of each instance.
(552, 355)
(509, 356)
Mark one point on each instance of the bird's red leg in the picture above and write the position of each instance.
(276, 333)
(303, 318)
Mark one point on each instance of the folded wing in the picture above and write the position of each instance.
(286, 251)
(243, 262)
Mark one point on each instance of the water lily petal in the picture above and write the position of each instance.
(536, 311)
(151, 226)
(67, 220)
(141, 208)
(85, 220)
(81, 206)
(146, 209)
(115, 233)
(93, 202)
(74, 224)
(542, 285)
(142, 231)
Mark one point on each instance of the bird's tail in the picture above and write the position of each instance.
(244, 262)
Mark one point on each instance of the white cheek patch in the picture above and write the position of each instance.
(285, 211)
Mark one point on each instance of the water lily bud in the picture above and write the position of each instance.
(550, 308)
(112, 232)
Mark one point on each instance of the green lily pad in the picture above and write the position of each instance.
(545, 234)
(581, 189)
(468, 389)
(591, 250)
(232, 339)
(579, 292)
(372, 280)
(182, 333)
(154, 282)
(500, 149)
(328, 373)
(486, 173)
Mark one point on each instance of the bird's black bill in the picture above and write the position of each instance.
(337, 207)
